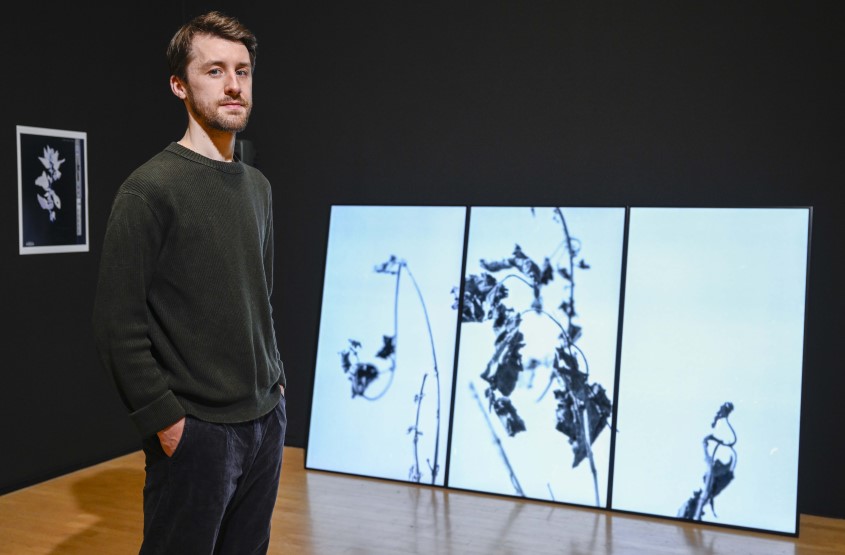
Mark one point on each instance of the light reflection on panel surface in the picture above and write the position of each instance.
(538, 332)
(711, 365)
(386, 342)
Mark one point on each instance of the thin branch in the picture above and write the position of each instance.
(571, 253)
(515, 276)
(392, 368)
(498, 442)
(416, 475)
(436, 466)
(586, 423)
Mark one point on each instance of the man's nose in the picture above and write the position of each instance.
(232, 86)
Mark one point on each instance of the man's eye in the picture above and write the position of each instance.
(215, 72)
(243, 72)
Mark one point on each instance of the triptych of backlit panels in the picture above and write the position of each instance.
(644, 360)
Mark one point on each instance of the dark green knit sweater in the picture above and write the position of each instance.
(182, 315)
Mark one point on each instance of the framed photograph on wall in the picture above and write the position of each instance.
(52, 190)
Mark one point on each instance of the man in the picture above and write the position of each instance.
(182, 316)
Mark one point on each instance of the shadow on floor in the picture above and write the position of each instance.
(113, 498)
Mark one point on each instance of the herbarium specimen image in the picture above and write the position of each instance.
(386, 345)
(534, 386)
(711, 365)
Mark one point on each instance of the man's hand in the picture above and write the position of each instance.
(170, 436)
(283, 389)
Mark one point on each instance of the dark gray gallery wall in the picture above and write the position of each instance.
(58, 408)
(524, 103)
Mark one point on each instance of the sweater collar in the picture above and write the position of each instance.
(225, 167)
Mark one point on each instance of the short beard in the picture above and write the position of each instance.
(231, 124)
(208, 116)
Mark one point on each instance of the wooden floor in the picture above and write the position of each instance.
(98, 511)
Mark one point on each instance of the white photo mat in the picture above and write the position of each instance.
(52, 190)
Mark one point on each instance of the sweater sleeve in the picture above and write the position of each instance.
(268, 271)
(132, 242)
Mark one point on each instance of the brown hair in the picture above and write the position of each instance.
(212, 23)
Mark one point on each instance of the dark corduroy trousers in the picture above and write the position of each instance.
(216, 494)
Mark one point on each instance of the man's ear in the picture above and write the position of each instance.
(178, 87)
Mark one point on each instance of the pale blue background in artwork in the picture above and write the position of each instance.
(371, 438)
(541, 456)
(714, 312)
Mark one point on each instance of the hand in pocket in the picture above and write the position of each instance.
(171, 436)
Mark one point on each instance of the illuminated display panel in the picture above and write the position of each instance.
(539, 330)
(385, 353)
(709, 370)
(711, 365)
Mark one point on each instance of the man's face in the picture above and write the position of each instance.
(219, 86)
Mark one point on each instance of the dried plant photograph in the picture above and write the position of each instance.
(52, 190)
(711, 365)
(535, 376)
(386, 344)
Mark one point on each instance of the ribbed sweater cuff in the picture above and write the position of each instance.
(158, 415)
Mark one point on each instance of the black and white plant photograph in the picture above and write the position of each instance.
(711, 365)
(535, 375)
(386, 344)
(52, 190)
